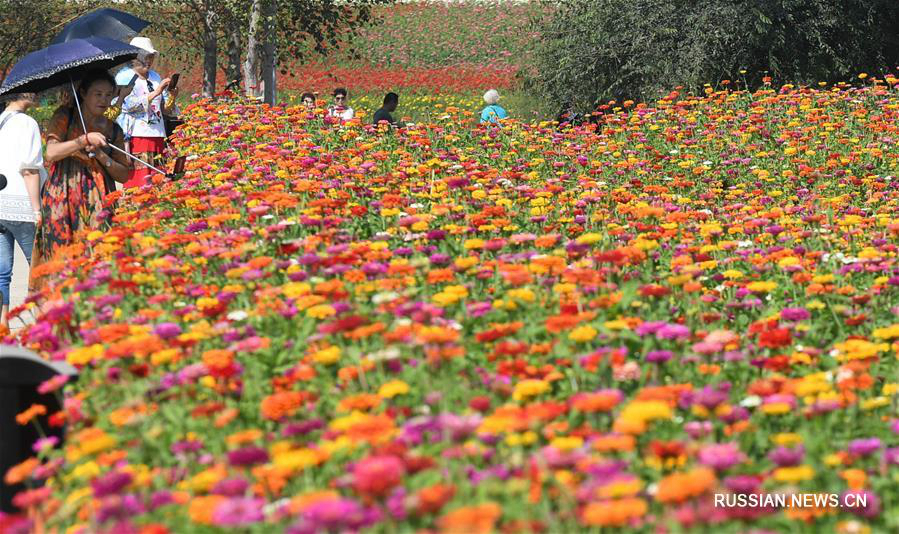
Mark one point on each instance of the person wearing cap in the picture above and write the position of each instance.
(493, 112)
(141, 117)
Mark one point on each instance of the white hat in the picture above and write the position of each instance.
(491, 97)
(143, 42)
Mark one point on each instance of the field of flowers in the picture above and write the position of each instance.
(447, 328)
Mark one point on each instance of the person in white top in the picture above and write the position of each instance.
(126, 74)
(21, 162)
(142, 109)
(341, 108)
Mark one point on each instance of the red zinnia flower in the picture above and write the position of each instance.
(776, 338)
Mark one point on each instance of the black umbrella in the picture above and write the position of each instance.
(107, 22)
(60, 63)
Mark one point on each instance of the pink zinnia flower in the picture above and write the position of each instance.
(52, 384)
(238, 511)
(721, 456)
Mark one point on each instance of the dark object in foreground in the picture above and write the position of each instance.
(21, 371)
(178, 172)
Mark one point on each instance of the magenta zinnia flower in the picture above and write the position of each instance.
(863, 447)
(238, 511)
(247, 456)
(659, 356)
(721, 456)
(794, 314)
(110, 484)
(673, 331)
(167, 330)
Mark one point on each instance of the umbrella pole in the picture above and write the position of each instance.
(137, 159)
(84, 129)
(78, 105)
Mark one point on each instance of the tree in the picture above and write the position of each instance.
(210, 46)
(268, 29)
(29, 25)
(269, 50)
(595, 50)
(297, 29)
(189, 27)
(252, 64)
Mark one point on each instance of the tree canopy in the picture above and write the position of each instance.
(594, 50)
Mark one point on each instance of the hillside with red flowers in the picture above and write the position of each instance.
(416, 47)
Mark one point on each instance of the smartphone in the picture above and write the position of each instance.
(131, 83)
(174, 83)
(125, 89)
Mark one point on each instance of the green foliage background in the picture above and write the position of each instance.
(592, 50)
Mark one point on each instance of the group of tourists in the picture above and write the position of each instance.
(341, 110)
(52, 193)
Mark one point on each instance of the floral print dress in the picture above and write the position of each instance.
(74, 196)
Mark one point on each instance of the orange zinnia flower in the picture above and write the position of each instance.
(678, 487)
(361, 402)
(354, 276)
(614, 442)
(437, 276)
(202, 508)
(113, 332)
(478, 519)
(20, 472)
(218, 359)
(600, 401)
(280, 405)
(36, 410)
(432, 498)
(373, 429)
(616, 513)
(259, 262)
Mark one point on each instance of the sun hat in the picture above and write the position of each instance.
(145, 43)
(491, 97)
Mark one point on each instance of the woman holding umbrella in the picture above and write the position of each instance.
(83, 168)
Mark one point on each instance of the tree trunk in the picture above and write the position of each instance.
(210, 52)
(234, 61)
(251, 65)
(269, 58)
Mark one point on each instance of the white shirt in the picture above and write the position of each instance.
(343, 113)
(20, 150)
(137, 119)
(124, 76)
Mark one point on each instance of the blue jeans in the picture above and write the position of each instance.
(23, 234)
